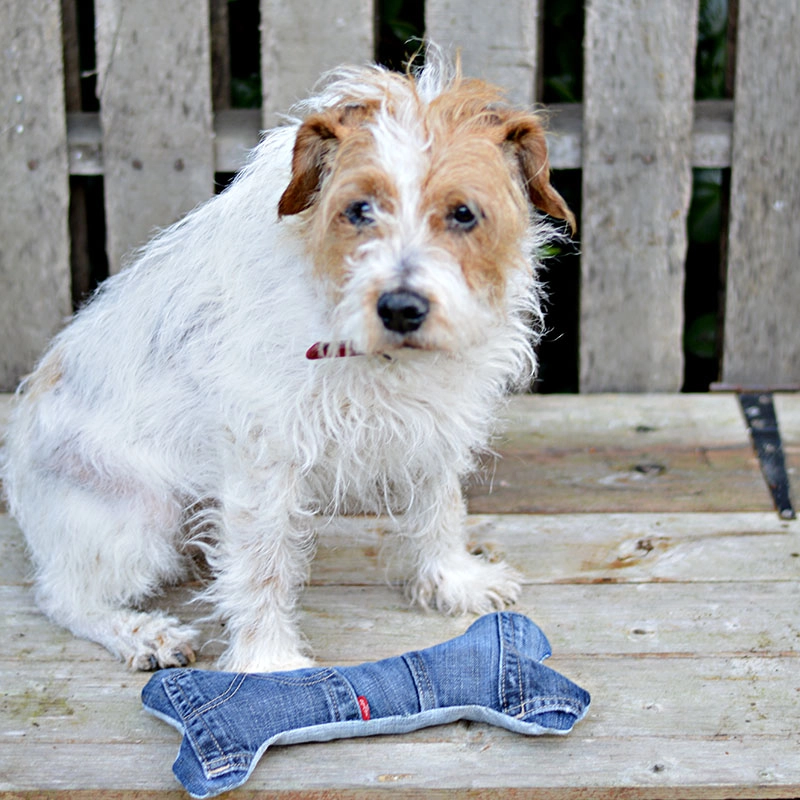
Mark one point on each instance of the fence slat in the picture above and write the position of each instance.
(762, 312)
(236, 130)
(34, 238)
(154, 85)
(302, 39)
(498, 41)
(638, 86)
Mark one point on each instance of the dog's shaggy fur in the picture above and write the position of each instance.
(391, 233)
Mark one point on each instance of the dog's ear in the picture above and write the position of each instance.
(525, 143)
(314, 149)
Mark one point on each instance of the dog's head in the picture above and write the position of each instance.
(418, 206)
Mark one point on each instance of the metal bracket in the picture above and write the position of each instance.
(762, 422)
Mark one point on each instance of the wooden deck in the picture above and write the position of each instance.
(665, 582)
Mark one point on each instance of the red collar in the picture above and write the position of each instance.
(330, 350)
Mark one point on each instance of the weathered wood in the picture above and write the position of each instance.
(638, 697)
(237, 130)
(627, 453)
(711, 134)
(34, 237)
(638, 79)
(498, 42)
(154, 90)
(639, 619)
(648, 453)
(564, 123)
(684, 627)
(557, 549)
(762, 323)
(463, 761)
(302, 39)
(85, 138)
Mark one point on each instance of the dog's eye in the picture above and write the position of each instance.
(462, 218)
(359, 213)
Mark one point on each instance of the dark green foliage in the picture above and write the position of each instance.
(562, 40)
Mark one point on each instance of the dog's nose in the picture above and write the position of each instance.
(402, 311)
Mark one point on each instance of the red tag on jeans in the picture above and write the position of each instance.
(363, 704)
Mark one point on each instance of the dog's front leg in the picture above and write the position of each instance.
(260, 564)
(445, 575)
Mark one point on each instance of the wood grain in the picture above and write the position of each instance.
(34, 237)
(237, 130)
(301, 40)
(652, 453)
(762, 324)
(155, 98)
(497, 42)
(685, 627)
(639, 67)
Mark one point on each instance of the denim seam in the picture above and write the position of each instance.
(225, 763)
(541, 705)
(422, 680)
(334, 702)
(206, 762)
(311, 680)
(392, 724)
(220, 699)
(505, 623)
(353, 694)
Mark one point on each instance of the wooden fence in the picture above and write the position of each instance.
(158, 144)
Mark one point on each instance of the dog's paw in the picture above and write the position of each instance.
(160, 642)
(465, 585)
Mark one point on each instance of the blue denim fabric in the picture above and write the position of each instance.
(492, 673)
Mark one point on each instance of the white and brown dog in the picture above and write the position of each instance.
(334, 333)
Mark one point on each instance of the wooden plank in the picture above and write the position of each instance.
(588, 548)
(557, 549)
(647, 478)
(34, 236)
(638, 79)
(605, 420)
(445, 769)
(302, 39)
(711, 134)
(54, 702)
(85, 138)
(629, 453)
(626, 584)
(564, 135)
(683, 626)
(498, 42)
(750, 619)
(744, 701)
(762, 324)
(155, 98)
(237, 130)
(463, 761)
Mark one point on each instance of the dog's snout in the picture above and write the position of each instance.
(402, 311)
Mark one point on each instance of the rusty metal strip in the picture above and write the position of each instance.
(762, 421)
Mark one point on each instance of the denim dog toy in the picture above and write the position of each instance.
(492, 673)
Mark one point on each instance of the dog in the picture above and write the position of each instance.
(334, 333)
